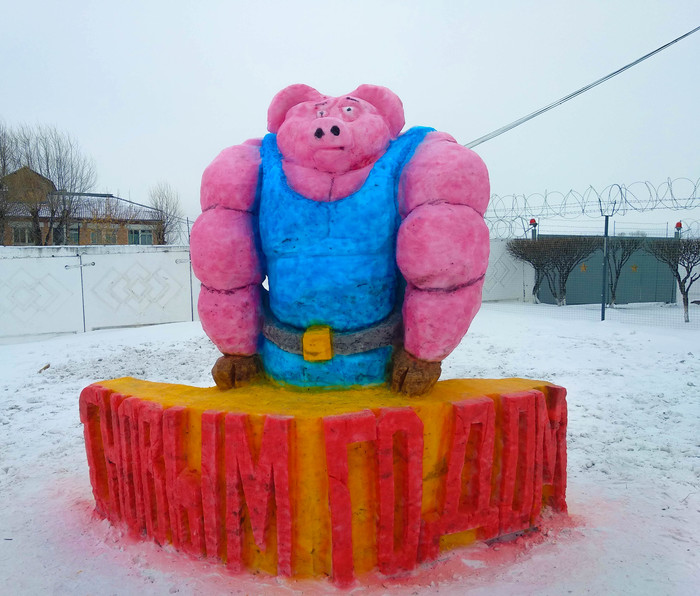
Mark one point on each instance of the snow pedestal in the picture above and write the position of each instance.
(325, 482)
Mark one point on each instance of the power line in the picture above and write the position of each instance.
(536, 113)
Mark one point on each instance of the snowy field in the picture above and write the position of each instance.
(634, 466)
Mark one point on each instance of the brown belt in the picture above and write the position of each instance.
(321, 343)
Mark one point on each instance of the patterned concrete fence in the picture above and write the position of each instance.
(506, 278)
(66, 289)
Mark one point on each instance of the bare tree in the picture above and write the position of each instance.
(677, 253)
(166, 200)
(4, 208)
(105, 215)
(534, 252)
(553, 258)
(7, 161)
(7, 150)
(56, 156)
(620, 251)
(565, 253)
(26, 195)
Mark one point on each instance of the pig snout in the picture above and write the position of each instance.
(335, 131)
(330, 132)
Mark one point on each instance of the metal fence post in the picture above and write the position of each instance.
(80, 266)
(605, 271)
(608, 209)
(189, 256)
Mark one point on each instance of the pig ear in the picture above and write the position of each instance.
(387, 102)
(286, 99)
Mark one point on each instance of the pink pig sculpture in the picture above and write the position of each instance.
(373, 243)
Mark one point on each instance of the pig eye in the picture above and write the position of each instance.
(349, 113)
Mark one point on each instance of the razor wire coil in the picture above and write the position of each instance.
(508, 216)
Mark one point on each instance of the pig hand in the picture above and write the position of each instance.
(412, 376)
(233, 371)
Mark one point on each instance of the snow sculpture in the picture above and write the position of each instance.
(375, 249)
(337, 208)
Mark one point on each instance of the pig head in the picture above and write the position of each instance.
(335, 134)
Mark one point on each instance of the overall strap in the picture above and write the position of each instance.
(388, 165)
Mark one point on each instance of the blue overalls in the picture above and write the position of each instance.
(331, 264)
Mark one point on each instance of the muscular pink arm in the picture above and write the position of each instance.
(224, 255)
(443, 244)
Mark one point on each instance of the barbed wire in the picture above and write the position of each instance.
(508, 216)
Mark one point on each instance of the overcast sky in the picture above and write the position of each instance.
(153, 90)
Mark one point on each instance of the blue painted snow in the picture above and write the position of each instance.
(332, 263)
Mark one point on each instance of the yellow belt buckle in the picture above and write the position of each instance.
(317, 345)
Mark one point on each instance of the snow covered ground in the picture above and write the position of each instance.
(634, 465)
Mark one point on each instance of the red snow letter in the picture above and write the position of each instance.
(406, 485)
(184, 484)
(518, 471)
(213, 484)
(154, 498)
(467, 491)
(252, 483)
(339, 432)
(550, 458)
(98, 408)
(130, 488)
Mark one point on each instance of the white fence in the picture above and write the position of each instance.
(72, 289)
(506, 278)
